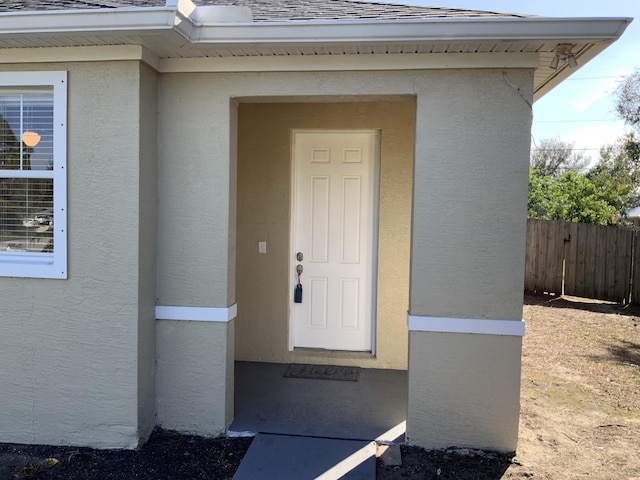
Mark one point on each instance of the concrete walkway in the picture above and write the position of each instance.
(285, 457)
(308, 429)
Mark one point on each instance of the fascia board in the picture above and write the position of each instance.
(101, 53)
(440, 30)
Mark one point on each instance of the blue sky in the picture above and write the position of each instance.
(581, 109)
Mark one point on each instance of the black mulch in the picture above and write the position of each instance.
(166, 456)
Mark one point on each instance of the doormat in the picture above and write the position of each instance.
(322, 372)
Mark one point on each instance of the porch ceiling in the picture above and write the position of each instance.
(169, 32)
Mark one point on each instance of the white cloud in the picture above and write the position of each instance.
(591, 138)
(582, 98)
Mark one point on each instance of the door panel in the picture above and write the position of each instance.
(334, 225)
(319, 219)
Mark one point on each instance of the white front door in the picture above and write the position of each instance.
(334, 226)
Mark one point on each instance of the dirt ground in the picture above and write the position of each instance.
(580, 400)
(580, 416)
(580, 394)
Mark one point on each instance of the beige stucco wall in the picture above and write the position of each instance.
(470, 142)
(196, 212)
(147, 223)
(196, 229)
(471, 167)
(464, 390)
(195, 376)
(467, 256)
(196, 252)
(71, 351)
(468, 222)
(76, 357)
(264, 177)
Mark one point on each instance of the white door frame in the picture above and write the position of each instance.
(375, 225)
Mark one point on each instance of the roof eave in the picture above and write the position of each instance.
(180, 19)
(137, 19)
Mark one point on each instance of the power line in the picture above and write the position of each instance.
(580, 149)
(596, 78)
(588, 149)
(577, 121)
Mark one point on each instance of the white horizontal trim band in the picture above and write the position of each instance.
(480, 326)
(197, 314)
(309, 63)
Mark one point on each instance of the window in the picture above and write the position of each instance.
(33, 190)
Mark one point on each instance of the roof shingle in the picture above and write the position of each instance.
(279, 10)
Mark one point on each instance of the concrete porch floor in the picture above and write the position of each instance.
(374, 408)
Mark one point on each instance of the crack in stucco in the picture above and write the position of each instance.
(517, 89)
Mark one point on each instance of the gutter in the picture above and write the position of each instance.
(233, 25)
(85, 21)
(439, 30)
(180, 15)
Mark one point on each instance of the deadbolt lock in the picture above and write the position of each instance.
(299, 256)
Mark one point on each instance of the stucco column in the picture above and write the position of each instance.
(467, 259)
(196, 255)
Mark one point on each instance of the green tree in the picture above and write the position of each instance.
(621, 161)
(573, 197)
(628, 100)
(619, 165)
(562, 188)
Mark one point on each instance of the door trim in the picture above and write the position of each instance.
(375, 224)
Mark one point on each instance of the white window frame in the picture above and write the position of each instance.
(44, 265)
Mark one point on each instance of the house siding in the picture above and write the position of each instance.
(464, 390)
(78, 354)
(194, 205)
(69, 348)
(196, 253)
(467, 239)
(471, 165)
(147, 248)
(195, 376)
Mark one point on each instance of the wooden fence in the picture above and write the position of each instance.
(583, 260)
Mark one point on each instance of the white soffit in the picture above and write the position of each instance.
(370, 62)
(180, 30)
